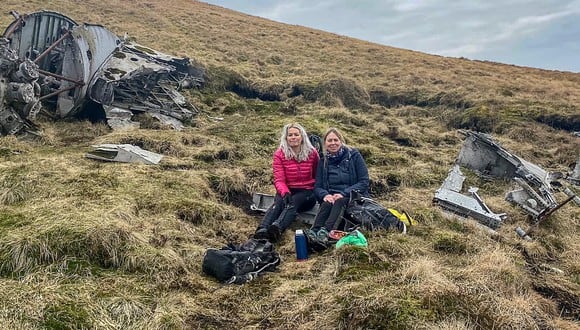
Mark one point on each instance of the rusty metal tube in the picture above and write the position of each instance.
(39, 57)
(14, 27)
(56, 92)
(47, 73)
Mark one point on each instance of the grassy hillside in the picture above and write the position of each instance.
(86, 244)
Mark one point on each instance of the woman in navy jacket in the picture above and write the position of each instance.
(341, 171)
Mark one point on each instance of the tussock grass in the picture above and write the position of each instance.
(97, 245)
(342, 116)
(10, 146)
(105, 246)
(14, 188)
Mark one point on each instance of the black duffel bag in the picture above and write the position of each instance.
(241, 263)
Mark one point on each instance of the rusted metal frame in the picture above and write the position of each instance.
(550, 211)
(545, 215)
(14, 27)
(48, 73)
(57, 92)
(39, 57)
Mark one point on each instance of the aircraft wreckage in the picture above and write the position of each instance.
(535, 193)
(49, 64)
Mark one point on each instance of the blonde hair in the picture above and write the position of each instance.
(306, 147)
(338, 135)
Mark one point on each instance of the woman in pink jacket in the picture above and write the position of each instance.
(294, 167)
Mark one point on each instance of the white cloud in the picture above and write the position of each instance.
(412, 5)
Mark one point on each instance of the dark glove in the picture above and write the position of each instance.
(287, 199)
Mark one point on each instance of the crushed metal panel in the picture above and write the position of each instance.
(454, 180)
(120, 119)
(125, 153)
(449, 197)
(76, 67)
(479, 152)
(140, 79)
(92, 47)
(528, 199)
(261, 202)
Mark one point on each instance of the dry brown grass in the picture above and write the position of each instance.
(88, 244)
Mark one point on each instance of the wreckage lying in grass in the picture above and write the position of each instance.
(50, 63)
(449, 196)
(124, 153)
(480, 153)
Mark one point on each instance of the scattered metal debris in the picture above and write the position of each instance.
(542, 217)
(570, 193)
(535, 194)
(450, 198)
(50, 63)
(548, 268)
(262, 202)
(480, 153)
(125, 153)
(522, 233)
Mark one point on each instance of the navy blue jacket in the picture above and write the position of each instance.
(350, 174)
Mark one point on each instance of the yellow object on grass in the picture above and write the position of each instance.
(404, 217)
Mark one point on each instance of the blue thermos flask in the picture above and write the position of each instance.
(300, 241)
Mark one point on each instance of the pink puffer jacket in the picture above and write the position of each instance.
(289, 173)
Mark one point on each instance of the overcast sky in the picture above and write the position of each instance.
(542, 33)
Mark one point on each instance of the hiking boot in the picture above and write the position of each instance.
(322, 235)
(274, 232)
(261, 233)
(310, 234)
(314, 243)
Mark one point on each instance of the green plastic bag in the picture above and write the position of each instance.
(355, 238)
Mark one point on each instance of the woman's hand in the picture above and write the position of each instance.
(329, 199)
(287, 199)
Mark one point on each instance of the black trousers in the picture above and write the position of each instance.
(284, 215)
(330, 215)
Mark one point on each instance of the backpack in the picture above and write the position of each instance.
(316, 142)
(370, 215)
(241, 263)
